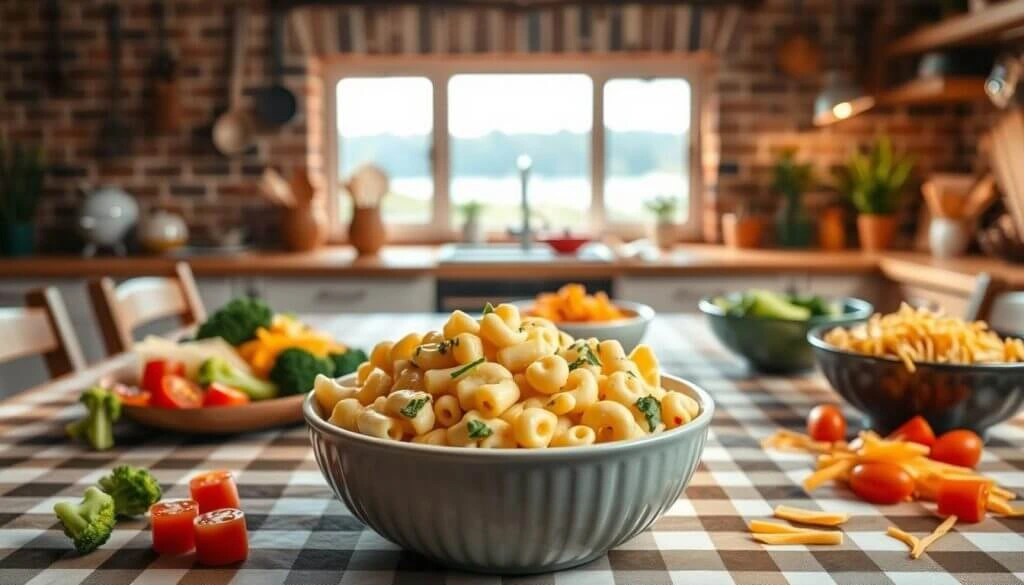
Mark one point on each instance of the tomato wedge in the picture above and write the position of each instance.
(967, 499)
(221, 537)
(916, 430)
(214, 490)
(218, 394)
(131, 395)
(173, 531)
(177, 392)
(154, 371)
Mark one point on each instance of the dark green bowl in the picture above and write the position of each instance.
(777, 346)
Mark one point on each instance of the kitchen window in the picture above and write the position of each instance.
(603, 133)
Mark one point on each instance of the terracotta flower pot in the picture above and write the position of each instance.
(665, 234)
(366, 232)
(876, 231)
(742, 232)
(304, 227)
(831, 230)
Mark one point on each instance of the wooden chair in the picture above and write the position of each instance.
(120, 309)
(41, 328)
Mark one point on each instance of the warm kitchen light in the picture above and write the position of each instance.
(839, 99)
(842, 111)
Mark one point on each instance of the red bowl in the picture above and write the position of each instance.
(565, 244)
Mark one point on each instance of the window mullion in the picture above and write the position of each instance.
(440, 159)
(597, 208)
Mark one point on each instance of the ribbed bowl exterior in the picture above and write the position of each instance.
(511, 512)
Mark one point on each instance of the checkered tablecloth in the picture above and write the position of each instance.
(300, 534)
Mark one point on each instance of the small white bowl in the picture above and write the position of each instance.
(629, 331)
(511, 511)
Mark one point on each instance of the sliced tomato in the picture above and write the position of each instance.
(960, 447)
(967, 499)
(916, 430)
(154, 371)
(825, 422)
(221, 537)
(131, 395)
(881, 483)
(177, 392)
(218, 394)
(214, 490)
(173, 530)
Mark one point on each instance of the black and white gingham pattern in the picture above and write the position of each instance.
(300, 534)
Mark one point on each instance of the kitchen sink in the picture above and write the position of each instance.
(476, 253)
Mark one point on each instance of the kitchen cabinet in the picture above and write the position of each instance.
(682, 294)
(861, 286)
(347, 295)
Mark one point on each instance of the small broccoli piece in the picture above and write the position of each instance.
(97, 428)
(237, 321)
(89, 523)
(295, 369)
(134, 490)
(217, 369)
(348, 362)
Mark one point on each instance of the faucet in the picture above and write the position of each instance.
(523, 162)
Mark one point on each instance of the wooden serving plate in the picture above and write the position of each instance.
(221, 420)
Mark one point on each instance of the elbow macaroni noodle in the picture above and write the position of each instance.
(503, 382)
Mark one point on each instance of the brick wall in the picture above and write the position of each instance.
(760, 113)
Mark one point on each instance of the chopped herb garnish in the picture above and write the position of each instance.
(585, 355)
(488, 308)
(577, 363)
(478, 430)
(443, 347)
(412, 408)
(631, 373)
(467, 368)
(651, 409)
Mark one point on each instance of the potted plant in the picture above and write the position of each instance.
(793, 228)
(742, 229)
(874, 182)
(665, 229)
(472, 229)
(21, 187)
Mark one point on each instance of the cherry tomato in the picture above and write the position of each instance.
(221, 537)
(177, 392)
(960, 447)
(173, 531)
(915, 430)
(881, 483)
(154, 371)
(214, 490)
(826, 423)
(218, 394)
(131, 395)
(967, 499)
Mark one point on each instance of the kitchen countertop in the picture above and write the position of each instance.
(686, 259)
(300, 533)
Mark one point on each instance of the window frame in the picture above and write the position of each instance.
(695, 68)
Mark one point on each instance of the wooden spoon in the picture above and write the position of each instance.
(232, 131)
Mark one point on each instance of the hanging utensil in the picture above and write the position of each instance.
(56, 81)
(799, 56)
(232, 131)
(276, 189)
(276, 104)
(165, 109)
(115, 136)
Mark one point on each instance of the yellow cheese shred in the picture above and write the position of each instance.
(810, 516)
(906, 538)
(765, 527)
(814, 480)
(1003, 493)
(923, 544)
(1001, 506)
(808, 537)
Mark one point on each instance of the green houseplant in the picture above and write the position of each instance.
(472, 229)
(21, 188)
(791, 179)
(664, 232)
(874, 182)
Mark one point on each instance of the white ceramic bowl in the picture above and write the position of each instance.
(629, 331)
(510, 511)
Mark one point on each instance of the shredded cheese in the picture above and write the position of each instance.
(923, 544)
(765, 527)
(1003, 493)
(906, 538)
(1001, 506)
(814, 480)
(808, 537)
(810, 516)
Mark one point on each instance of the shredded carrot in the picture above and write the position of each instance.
(810, 516)
(938, 533)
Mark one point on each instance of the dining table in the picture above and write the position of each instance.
(300, 533)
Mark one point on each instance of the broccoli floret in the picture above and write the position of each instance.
(219, 370)
(97, 428)
(295, 369)
(134, 490)
(237, 321)
(89, 523)
(348, 362)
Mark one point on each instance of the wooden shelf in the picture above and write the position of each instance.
(935, 90)
(982, 26)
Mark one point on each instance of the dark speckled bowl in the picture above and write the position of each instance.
(776, 346)
(949, 396)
